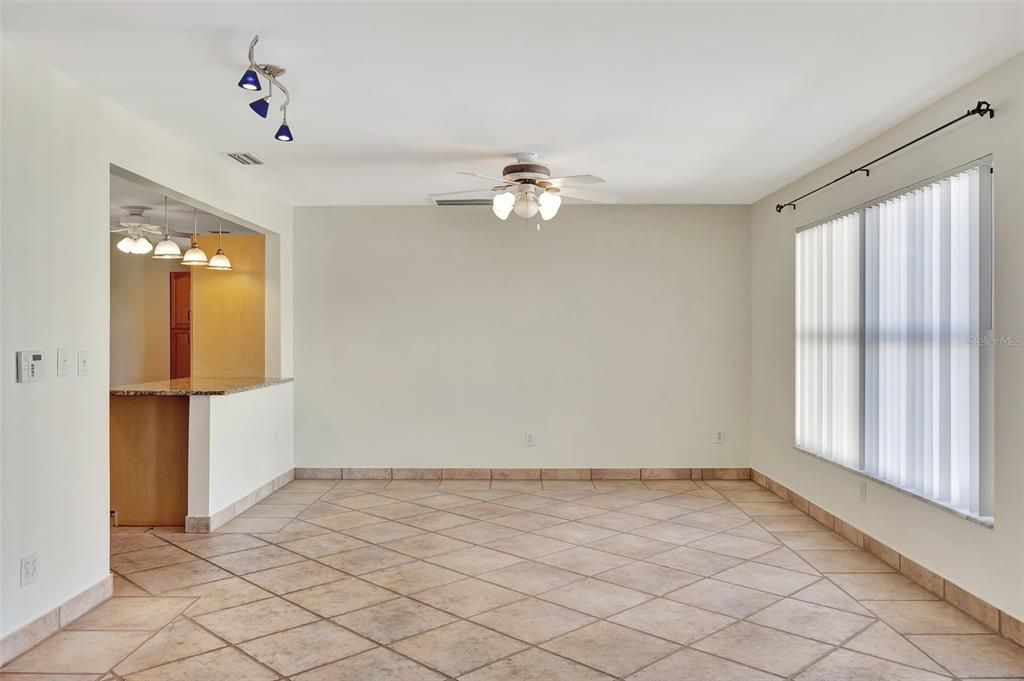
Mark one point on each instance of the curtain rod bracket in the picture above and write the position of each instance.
(983, 109)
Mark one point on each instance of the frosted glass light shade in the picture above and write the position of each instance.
(502, 204)
(141, 246)
(548, 203)
(125, 244)
(219, 261)
(195, 256)
(167, 250)
(526, 205)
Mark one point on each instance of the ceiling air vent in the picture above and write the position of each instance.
(243, 157)
(462, 202)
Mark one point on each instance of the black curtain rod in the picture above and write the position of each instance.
(981, 109)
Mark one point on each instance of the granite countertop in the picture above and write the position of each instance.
(198, 386)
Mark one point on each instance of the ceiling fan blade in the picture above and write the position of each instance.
(486, 177)
(584, 195)
(574, 180)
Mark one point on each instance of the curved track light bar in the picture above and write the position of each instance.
(271, 72)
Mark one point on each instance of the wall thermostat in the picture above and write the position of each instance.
(31, 366)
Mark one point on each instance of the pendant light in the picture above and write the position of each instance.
(141, 246)
(125, 244)
(219, 261)
(167, 249)
(195, 256)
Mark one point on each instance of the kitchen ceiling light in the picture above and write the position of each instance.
(548, 204)
(195, 256)
(141, 246)
(261, 107)
(503, 203)
(219, 261)
(250, 80)
(168, 248)
(284, 133)
(526, 204)
(125, 244)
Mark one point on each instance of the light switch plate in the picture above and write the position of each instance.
(63, 361)
(83, 363)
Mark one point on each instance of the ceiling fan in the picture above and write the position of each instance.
(136, 228)
(526, 188)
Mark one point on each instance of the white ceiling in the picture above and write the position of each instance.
(715, 102)
(125, 193)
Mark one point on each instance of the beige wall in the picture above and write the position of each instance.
(985, 561)
(432, 336)
(139, 316)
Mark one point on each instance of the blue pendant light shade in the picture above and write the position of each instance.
(284, 133)
(250, 81)
(261, 106)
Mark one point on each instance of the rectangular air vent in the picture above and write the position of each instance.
(243, 157)
(462, 202)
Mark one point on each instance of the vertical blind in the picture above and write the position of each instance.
(889, 339)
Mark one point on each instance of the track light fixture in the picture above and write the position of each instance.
(251, 81)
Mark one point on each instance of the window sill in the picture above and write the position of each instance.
(984, 521)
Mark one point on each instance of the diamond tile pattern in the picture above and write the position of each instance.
(528, 580)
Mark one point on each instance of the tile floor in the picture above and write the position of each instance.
(514, 580)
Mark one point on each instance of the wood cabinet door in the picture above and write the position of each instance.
(181, 354)
(181, 325)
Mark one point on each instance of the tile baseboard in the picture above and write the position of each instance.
(602, 474)
(987, 614)
(204, 524)
(35, 632)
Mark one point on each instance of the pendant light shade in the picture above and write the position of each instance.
(195, 256)
(250, 80)
(284, 133)
(125, 245)
(142, 246)
(502, 204)
(261, 106)
(526, 205)
(548, 204)
(167, 249)
(219, 261)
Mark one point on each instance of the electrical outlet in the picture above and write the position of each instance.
(83, 363)
(63, 361)
(529, 441)
(719, 437)
(29, 569)
(863, 490)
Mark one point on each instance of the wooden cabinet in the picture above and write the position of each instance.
(181, 324)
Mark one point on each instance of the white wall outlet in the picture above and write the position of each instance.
(863, 490)
(63, 361)
(83, 363)
(529, 440)
(719, 437)
(29, 569)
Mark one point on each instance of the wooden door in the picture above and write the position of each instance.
(181, 324)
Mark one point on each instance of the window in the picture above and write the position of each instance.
(893, 339)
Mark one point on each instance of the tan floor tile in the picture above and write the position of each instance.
(374, 664)
(253, 525)
(766, 649)
(175, 577)
(218, 544)
(724, 598)
(529, 545)
(699, 562)
(793, 523)
(632, 546)
(812, 621)
(123, 542)
(656, 510)
(584, 560)
(486, 510)
(808, 541)
(382, 532)
(397, 511)
(845, 665)
(710, 521)
(576, 533)
(297, 650)
(437, 520)
(788, 559)
(533, 620)
(737, 547)
(824, 592)
(535, 665)
(692, 501)
(769, 508)
(610, 502)
(125, 589)
(527, 502)
(527, 521)
(181, 639)
(594, 597)
(364, 501)
(620, 522)
(245, 622)
(253, 560)
(925, 617)
(480, 532)
(265, 510)
(77, 652)
(426, 545)
(881, 640)
(345, 521)
(294, 577)
(368, 559)
(323, 545)
(530, 578)
(612, 648)
(296, 529)
(845, 561)
(752, 495)
(226, 664)
(475, 560)
(147, 559)
(700, 666)
(652, 579)
(880, 587)
(224, 593)
(671, 620)
(293, 497)
(767, 578)
(393, 620)
(411, 578)
(468, 597)
(336, 598)
(458, 648)
(753, 531)
(444, 502)
(572, 511)
(132, 614)
(671, 532)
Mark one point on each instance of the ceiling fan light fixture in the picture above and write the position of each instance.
(502, 204)
(526, 204)
(548, 204)
(125, 245)
(141, 246)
